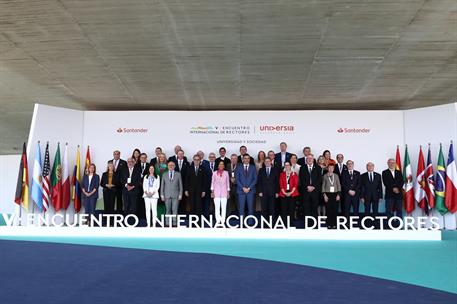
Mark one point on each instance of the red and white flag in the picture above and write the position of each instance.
(65, 180)
(45, 181)
(419, 184)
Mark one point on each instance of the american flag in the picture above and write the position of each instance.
(45, 180)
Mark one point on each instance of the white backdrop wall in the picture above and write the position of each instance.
(54, 125)
(360, 135)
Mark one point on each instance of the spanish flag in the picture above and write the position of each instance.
(87, 164)
(22, 187)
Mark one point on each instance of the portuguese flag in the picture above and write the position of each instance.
(56, 182)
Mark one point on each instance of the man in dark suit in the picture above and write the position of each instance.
(393, 184)
(205, 164)
(310, 182)
(302, 160)
(155, 160)
(195, 186)
(246, 180)
(268, 188)
(131, 182)
(371, 190)
(350, 186)
(144, 169)
(120, 166)
(340, 167)
(174, 158)
(272, 156)
(222, 157)
(181, 166)
(243, 151)
(283, 156)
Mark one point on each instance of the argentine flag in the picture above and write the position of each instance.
(37, 189)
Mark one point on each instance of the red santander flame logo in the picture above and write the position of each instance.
(340, 130)
(119, 130)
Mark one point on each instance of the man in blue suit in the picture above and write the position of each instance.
(246, 179)
(283, 156)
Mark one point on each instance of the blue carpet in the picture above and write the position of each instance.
(33, 272)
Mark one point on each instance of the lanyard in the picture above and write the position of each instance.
(331, 180)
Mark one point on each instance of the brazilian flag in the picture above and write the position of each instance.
(440, 182)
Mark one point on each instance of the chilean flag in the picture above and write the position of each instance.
(451, 182)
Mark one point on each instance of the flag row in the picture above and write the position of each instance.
(429, 190)
(50, 186)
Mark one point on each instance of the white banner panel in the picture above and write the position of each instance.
(360, 135)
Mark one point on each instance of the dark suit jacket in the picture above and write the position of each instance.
(348, 183)
(240, 160)
(337, 170)
(135, 178)
(116, 181)
(153, 161)
(175, 160)
(278, 159)
(390, 182)
(371, 191)
(122, 165)
(94, 184)
(183, 171)
(196, 183)
(143, 172)
(302, 161)
(268, 185)
(226, 161)
(305, 180)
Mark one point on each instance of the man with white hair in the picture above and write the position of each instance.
(371, 190)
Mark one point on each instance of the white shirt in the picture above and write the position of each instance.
(283, 157)
(90, 179)
(393, 173)
(180, 163)
(296, 168)
(116, 163)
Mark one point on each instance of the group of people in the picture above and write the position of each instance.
(281, 184)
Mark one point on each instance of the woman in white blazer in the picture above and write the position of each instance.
(151, 184)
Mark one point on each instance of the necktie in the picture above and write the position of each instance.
(115, 164)
(196, 170)
(245, 170)
(371, 177)
(180, 164)
(171, 175)
(268, 172)
(351, 174)
(212, 166)
(142, 167)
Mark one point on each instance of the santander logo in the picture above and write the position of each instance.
(353, 130)
(132, 130)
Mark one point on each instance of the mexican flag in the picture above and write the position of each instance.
(408, 185)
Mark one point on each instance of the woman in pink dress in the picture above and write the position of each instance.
(220, 191)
